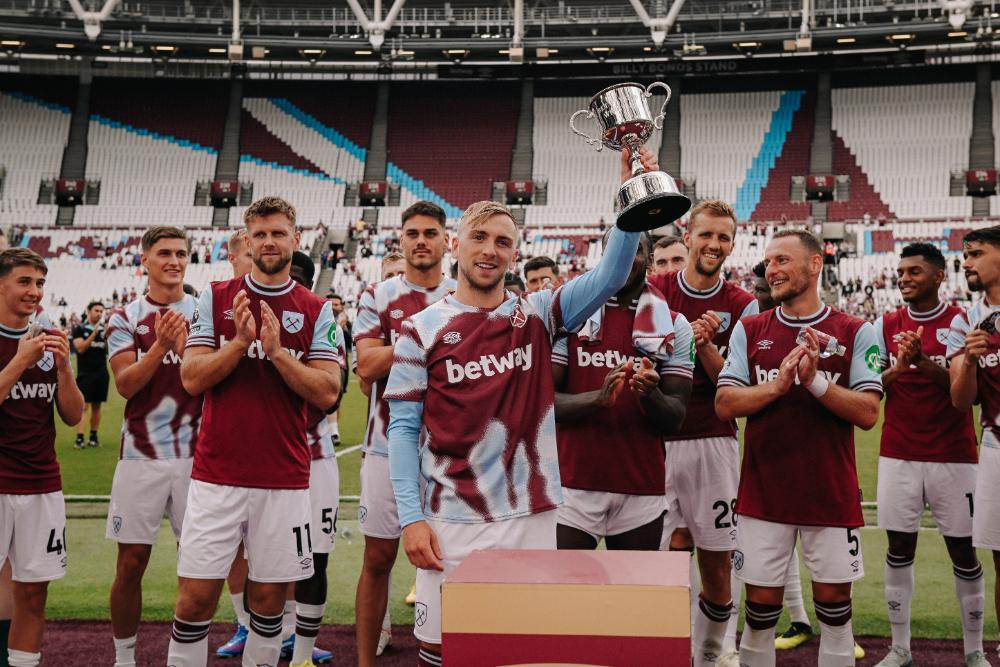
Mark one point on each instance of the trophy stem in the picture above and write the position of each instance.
(634, 145)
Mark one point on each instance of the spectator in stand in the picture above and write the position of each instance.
(92, 376)
(541, 273)
(956, 264)
(669, 254)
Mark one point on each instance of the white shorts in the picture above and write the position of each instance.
(705, 474)
(377, 514)
(324, 496)
(764, 548)
(273, 524)
(33, 535)
(904, 487)
(142, 493)
(671, 522)
(600, 514)
(458, 540)
(986, 519)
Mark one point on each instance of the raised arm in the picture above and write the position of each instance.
(858, 404)
(132, 373)
(69, 400)
(579, 298)
(735, 396)
(318, 379)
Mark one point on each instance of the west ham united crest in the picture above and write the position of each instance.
(420, 613)
(292, 321)
(47, 361)
(116, 524)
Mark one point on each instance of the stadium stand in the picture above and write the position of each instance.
(792, 160)
(906, 146)
(36, 117)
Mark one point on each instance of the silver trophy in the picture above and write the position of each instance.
(649, 199)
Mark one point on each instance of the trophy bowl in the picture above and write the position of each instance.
(648, 199)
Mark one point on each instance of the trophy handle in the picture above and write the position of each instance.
(658, 121)
(590, 139)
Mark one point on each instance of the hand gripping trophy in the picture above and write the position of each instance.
(649, 199)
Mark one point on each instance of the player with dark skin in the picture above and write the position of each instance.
(664, 401)
(982, 271)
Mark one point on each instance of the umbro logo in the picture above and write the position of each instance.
(894, 605)
(395, 313)
(764, 344)
(142, 330)
(856, 566)
(452, 337)
(306, 563)
(976, 615)
(228, 314)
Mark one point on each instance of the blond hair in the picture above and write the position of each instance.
(269, 206)
(392, 257)
(236, 239)
(715, 208)
(480, 212)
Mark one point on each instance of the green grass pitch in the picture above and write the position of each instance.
(83, 593)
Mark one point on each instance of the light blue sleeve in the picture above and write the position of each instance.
(866, 365)
(883, 351)
(560, 352)
(753, 308)
(324, 340)
(681, 360)
(579, 298)
(960, 328)
(121, 336)
(736, 371)
(202, 332)
(405, 419)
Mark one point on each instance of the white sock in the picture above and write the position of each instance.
(971, 591)
(188, 643)
(836, 639)
(736, 587)
(242, 617)
(757, 647)
(263, 641)
(125, 652)
(793, 592)
(898, 594)
(308, 619)
(386, 622)
(288, 620)
(23, 658)
(694, 577)
(709, 631)
(335, 429)
(757, 643)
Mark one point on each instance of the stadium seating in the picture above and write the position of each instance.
(793, 160)
(149, 143)
(456, 138)
(33, 134)
(907, 145)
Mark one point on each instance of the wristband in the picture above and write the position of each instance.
(819, 385)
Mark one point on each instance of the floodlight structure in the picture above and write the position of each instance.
(376, 27)
(92, 20)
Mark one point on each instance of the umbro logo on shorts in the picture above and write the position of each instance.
(855, 566)
(738, 559)
(420, 613)
(116, 524)
(306, 563)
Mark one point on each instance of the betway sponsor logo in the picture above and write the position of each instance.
(23, 390)
(490, 365)
(256, 350)
(938, 359)
(169, 358)
(766, 375)
(609, 359)
(991, 360)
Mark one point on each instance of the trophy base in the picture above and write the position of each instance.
(648, 201)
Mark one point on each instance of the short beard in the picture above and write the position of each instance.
(794, 291)
(423, 265)
(705, 272)
(284, 261)
(975, 286)
(480, 288)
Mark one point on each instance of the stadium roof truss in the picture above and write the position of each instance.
(360, 35)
